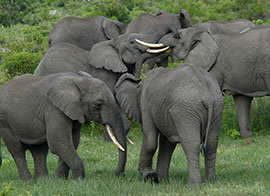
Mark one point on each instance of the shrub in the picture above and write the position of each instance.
(20, 63)
(108, 8)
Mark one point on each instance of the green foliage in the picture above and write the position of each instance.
(13, 11)
(9, 190)
(20, 63)
(229, 117)
(108, 8)
(233, 133)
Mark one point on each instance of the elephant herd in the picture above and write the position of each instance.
(91, 72)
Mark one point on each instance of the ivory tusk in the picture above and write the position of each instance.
(157, 51)
(130, 141)
(109, 130)
(149, 44)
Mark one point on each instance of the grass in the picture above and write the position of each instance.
(242, 168)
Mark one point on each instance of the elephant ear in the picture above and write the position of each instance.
(112, 28)
(104, 56)
(128, 95)
(205, 53)
(184, 19)
(65, 95)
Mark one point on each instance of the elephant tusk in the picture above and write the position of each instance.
(149, 44)
(114, 138)
(129, 141)
(157, 51)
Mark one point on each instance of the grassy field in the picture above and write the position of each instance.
(242, 168)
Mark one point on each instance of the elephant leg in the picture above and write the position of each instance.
(17, 150)
(39, 153)
(192, 151)
(165, 151)
(242, 104)
(189, 131)
(62, 168)
(60, 140)
(212, 144)
(148, 149)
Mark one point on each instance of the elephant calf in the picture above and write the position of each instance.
(184, 105)
(38, 113)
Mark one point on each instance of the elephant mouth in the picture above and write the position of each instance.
(154, 48)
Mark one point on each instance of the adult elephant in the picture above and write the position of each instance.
(181, 105)
(239, 62)
(85, 32)
(229, 27)
(148, 24)
(41, 112)
(106, 61)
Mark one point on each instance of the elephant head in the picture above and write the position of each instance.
(193, 45)
(85, 32)
(89, 99)
(124, 54)
(113, 28)
(182, 18)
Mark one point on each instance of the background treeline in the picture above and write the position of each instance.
(25, 25)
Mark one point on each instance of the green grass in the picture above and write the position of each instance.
(242, 168)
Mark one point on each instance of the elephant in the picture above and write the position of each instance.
(41, 112)
(183, 105)
(148, 24)
(85, 32)
(230, 27)
(239, 62)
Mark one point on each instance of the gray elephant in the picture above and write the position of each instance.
(85, 32)
(239, 62)
(38, 113)
(229, 27)
(148, 24)
(183, 105)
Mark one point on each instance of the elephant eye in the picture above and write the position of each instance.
(98, 105)
(194, 44)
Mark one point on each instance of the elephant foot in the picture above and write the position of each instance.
(40, 175)
(78, 173)
(194, 182)
(163, 179)
(26, 177)
(118, 173)
(210, 178)
(245, 134)
(61, 170)
(151, 176)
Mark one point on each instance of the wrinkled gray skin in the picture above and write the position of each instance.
(85, 32)
(183, 105)
(37, 113)
(148, 24)
(231, 27)
(239, 62)
(106, 61)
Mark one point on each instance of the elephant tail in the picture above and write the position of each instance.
(210, 108)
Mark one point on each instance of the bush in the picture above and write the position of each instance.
(108, 8)
(20, 63)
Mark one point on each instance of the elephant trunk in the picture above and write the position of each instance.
(115, 128)
(141, 60)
